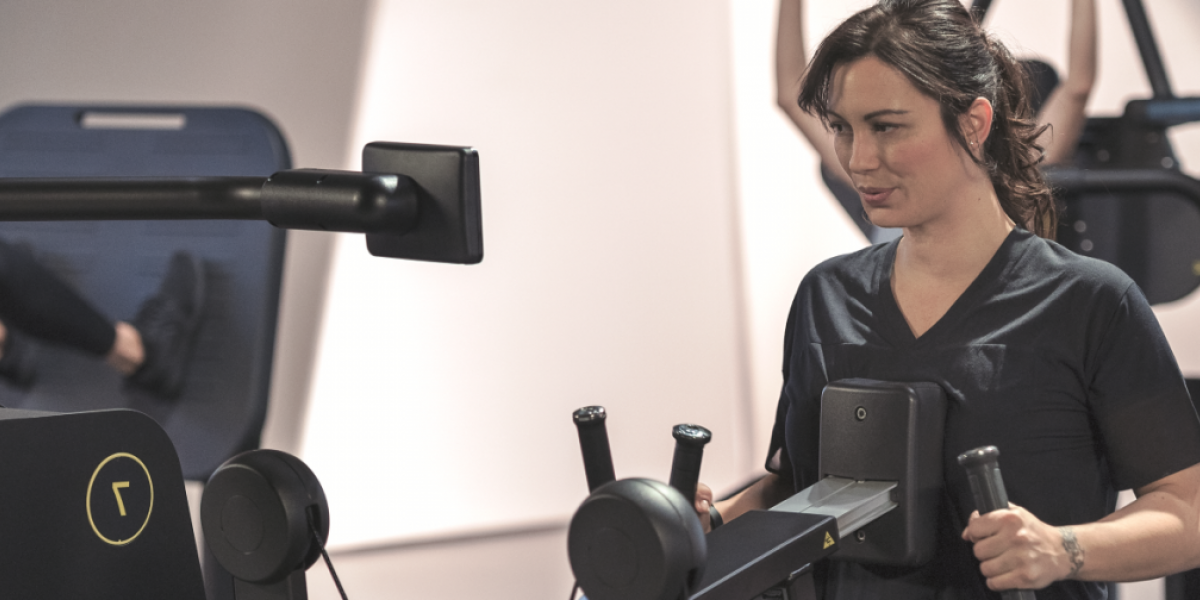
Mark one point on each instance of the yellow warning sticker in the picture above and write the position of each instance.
(828, 541)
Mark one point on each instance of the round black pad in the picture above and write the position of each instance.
(255, 514)
(636, 539)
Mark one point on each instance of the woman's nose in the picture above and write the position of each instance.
(864, 155)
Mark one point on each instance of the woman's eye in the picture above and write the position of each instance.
(837, 128)
(884, 127)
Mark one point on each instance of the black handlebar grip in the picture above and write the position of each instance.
(689, 450)
(983, 473)
(593, 441)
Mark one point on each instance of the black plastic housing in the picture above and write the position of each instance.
(93, 506)
(883, 431)
(264, 516)
(449, 227)
(268, 497)
(759, 549)
(636, 539)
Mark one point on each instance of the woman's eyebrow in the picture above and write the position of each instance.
(871, 115)
(886, 112)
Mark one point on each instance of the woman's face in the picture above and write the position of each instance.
(891, 141)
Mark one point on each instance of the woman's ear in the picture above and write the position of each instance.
(976, 123)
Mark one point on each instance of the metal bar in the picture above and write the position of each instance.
(853, 503)
(1123, 180)
(1148, 48)
(296, 199)
(106, 199)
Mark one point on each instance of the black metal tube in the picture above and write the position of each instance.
(347, 201)
(1163, 113)
(593, 441)
(325, 200)
(1148, 48)
(689, 451)
(130, 199)
(983, 473)
(1123, 180)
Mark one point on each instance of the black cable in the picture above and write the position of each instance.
(338, 582)
(574, 590)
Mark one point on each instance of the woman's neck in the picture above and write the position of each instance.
(960, 243)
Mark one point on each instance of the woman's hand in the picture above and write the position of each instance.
(704, 499)
(1016, 550)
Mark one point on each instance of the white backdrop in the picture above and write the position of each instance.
(443, 395)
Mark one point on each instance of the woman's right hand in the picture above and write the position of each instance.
(704, 499)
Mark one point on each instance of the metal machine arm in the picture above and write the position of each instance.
(412, 200)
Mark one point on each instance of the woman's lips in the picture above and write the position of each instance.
(875, 196)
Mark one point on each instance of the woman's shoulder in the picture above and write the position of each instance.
(1046, 260)
(855, 265)
(848, 274)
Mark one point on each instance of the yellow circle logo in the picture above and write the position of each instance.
(120, 497)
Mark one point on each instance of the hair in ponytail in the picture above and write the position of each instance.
(944, 54)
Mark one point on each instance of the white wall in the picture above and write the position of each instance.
(443, 394)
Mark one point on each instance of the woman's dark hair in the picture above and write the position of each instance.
(944, 54)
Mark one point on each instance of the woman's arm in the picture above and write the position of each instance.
(790, 62)
(762, 494)
(1158, 534)
(1064, 109)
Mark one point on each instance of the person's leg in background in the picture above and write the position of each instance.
(151, 351)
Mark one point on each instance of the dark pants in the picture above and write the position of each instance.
(35, 301)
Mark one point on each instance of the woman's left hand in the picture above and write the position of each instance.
(1016, 550)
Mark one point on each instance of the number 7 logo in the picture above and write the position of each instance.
(117, 485)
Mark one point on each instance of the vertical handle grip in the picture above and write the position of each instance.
(689, 450)
(593, 441)
(983, 473)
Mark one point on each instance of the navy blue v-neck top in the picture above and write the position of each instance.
(1054, 358)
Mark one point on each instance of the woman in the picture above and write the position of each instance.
(1058, 104)
(1054, 358)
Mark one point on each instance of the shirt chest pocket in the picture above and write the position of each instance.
(985, 376)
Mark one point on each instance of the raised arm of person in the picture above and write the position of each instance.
(790, 61)
(1158, 534)
(1064, 109)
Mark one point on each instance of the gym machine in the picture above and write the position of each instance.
(106, 515)
(1126, 200)
(876, 502)
(94, 503)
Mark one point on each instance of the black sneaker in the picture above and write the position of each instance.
(16, 363)
(167, 322)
